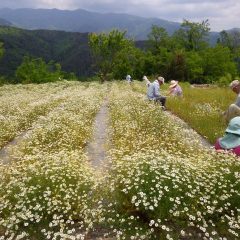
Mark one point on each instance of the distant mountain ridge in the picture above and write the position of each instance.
(84, 21)
(4, 22)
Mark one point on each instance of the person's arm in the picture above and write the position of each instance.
(238, 101)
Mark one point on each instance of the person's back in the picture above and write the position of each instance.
(175, 89)
(150, 91)
(178, 91)
(153, 92)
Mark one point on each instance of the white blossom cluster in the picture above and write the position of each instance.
(162, 184)
(47, 192)
(21, 105)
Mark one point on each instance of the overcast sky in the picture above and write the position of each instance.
(222, 14)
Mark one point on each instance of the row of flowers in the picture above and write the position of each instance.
(21, 105)
(163, 184)
(47, 191)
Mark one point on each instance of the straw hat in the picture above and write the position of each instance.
(173, 84)
(161, 79)
(234, 84)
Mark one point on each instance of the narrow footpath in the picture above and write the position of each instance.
(96, 148)
(97, 155)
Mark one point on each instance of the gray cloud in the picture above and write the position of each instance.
(222, 14)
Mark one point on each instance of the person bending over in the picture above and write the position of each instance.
(234, 109)
(153, 92)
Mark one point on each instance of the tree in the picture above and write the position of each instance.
(158, 38)
(218, 62)
(194, 67)
(225, 39)
(193, 35)
(37, 71)
(127, 61)
(105, 49)
(177, 65)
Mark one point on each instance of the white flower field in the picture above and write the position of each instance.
(156, 182)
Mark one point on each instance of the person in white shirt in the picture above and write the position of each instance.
(234, 109)
(129, 78)
(153, 92)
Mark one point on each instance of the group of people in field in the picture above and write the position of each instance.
(153, 90)
(231, 140)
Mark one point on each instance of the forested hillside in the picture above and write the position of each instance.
(186, 55)
(69, 49)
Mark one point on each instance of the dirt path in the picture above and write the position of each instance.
(5, 152)
(188, 131)
(96, 148)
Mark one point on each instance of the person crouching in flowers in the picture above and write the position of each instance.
(231, 139)
(153, 92)
(234, 109)
(175, 89)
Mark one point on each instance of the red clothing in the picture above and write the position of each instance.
(235, 150)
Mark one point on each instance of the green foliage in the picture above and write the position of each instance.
(217, 62)
(106, 48)
(177, 66)
(158, 38)
(183, 56)
(69, 49)
(194, 67)
(37, 71)
(225, 80)
(193, 35)
(130, 60)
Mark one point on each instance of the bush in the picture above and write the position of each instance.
(37, 71)
(225, 80)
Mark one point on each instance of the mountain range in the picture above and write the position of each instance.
(83, 21)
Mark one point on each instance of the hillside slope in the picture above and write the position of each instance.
(69, 49)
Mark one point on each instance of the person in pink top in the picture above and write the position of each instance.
(175, 89)
(231, 140)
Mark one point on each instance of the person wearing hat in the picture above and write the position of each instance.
(175, 89)
(231, 139)
(129, 78)
(234, 109)
(153, 92)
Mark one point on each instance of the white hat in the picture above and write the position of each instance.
(173, 84)
(161, 79)
(145, 78)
